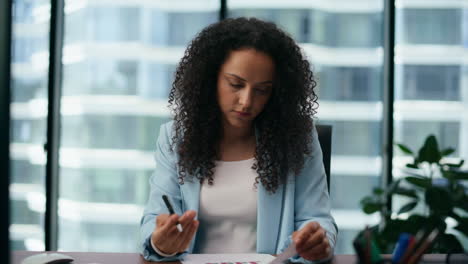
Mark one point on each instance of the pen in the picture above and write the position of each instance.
(425, 246)
(171, 210)
(401, 246)
(411, 247)
(367, 251)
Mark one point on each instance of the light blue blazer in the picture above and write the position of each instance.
(304, 198)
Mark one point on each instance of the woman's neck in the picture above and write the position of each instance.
(237, 144)
(232, 135)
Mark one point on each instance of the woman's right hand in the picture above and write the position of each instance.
(167, 238)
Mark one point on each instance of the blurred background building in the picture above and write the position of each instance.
(119, 57)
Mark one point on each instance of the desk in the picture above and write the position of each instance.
(135, 258)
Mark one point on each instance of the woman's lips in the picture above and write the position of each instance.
(244, 114)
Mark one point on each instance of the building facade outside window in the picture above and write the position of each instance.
(119, 60)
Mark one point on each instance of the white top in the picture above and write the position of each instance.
(228, 210)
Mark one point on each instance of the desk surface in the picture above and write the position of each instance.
(135, 258)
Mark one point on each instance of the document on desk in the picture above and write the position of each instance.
(285, 255)
(240, 258)
(228, 259)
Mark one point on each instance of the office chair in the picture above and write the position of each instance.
(324, 135)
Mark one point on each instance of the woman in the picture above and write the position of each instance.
(241, 162)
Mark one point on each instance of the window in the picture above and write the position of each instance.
(335, 37)
(353, 84)
(414, 132)
(430, 78)
(28, 123)
(355, 138)
(119, 62)
(345, 28)
(429, 25)
(429, 82)
(293, 21)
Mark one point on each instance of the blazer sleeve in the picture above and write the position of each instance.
(312, 200)
(164, 180)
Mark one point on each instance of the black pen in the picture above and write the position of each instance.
(171, 210)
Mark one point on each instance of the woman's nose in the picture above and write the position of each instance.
(245, 98)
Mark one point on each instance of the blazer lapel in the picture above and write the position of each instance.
(191, 196)
(269, 208)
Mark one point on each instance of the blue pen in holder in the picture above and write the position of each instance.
(401, 246)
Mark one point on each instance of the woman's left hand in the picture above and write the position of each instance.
(311, 242)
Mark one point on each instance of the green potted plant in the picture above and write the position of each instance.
(431, 183)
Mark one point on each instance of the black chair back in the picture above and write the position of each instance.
(325, 140)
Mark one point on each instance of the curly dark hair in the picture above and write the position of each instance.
(283, 127)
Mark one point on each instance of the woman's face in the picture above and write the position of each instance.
(245, 83)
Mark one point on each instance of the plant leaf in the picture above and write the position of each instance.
(430, 151)
(463, 229)
(455, 216)
(407, 207)
(370, 208)
(457, 165)
(406, 192)
(457, 192)
(456, 175)
(416, 221)
(419, 181)
(393, 228)
(371, 205)
(436, 221)
(446, 243)
(411, 173)
(378, 191)
(463, 225)
(447, 152)
(405, 149)
(412, 166)
(439, 201)
(367, 199)
(462, 203)
(393, 186)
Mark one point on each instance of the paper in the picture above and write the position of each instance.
(285, 255)
(228, 259)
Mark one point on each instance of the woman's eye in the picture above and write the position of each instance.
(236, 85)
(262, 91)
